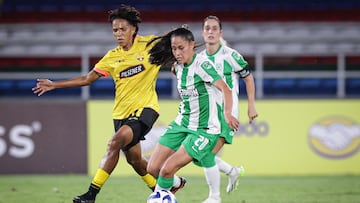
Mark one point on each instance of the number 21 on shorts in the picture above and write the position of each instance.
(201, 142)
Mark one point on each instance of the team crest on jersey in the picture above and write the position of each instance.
(140, 57)
(236, 56)
(131, 71)
(206, 65)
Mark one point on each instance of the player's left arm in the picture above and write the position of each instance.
(248, 78)
(241, 67)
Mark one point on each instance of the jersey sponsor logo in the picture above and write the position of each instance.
(131, 71)
(190, 92)
(334, 137)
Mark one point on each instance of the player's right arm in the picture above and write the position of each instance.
(45, 85)
(227, 97)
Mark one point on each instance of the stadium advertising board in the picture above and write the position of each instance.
(290, 137)
(43, 137)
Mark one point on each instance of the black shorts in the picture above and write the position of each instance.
(140, 125)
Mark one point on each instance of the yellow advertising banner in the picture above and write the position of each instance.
(290, 137)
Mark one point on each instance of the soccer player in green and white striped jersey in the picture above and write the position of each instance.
(230, 65)
(195, 131)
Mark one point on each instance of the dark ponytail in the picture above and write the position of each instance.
(161, 52)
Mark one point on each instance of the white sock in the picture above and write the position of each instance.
(177, 181)
(157, 188)
(223, 166)
(212, 175)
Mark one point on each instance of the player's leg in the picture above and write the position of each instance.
(167, 144)
(133, 152)
(157, 158)
(212, 175)
(134, 158)
(196, 146)
(121, 138)
(233, 173)
(176, 161)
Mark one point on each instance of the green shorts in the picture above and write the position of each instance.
(173, 136)
(226, 131)
(197, 143)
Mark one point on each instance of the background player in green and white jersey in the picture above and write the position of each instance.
(230, 65)
(195, 131)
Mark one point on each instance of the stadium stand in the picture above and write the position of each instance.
(182, 10)
(299, 44)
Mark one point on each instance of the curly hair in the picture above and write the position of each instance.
(128, 13)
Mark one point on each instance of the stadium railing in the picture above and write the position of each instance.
(336, 80)
(289, 59)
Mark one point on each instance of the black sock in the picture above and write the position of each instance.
(92, 192)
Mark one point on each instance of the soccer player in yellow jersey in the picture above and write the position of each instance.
(136, 104)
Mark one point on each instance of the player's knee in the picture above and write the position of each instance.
(134, 163)
(117, 142)
(152, 170)
(114, 146)
(166, 171)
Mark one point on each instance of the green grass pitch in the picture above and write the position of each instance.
(251, 189)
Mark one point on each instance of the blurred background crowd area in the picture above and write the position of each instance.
(297, 48)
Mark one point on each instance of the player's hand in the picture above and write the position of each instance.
(42, 86)
(252, 114)
(232, 122)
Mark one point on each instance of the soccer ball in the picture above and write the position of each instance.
(162, 196)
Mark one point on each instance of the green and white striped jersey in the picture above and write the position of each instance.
(228, 62)
(198, 108)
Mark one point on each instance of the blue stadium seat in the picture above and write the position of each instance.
(164, 87)
(23, 87)
(6, 87)
(329, 86)
(283, 87)
(353, 86)
(278, 87)
(102, 88)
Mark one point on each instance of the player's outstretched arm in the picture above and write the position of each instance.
(45, 85)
